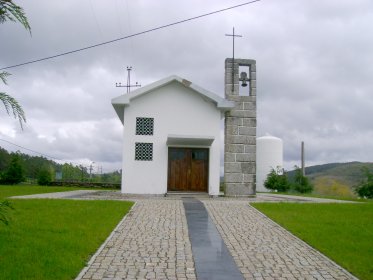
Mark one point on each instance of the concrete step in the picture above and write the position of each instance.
(188, 194)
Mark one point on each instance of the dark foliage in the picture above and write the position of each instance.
(86, 184)
(277, 181)
(4, 159)
(365, 189)
(14, 174)
(44, 177)
(34, 166)
(301, 183)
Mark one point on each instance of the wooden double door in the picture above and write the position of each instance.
(188, 169)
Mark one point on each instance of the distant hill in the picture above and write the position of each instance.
(350, 172)
(336, 178)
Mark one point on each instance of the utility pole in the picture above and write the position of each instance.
(90, 171)
(82, 170)
(99, 171)
(303, 160)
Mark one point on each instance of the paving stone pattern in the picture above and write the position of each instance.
(151, 243)
(264, 250)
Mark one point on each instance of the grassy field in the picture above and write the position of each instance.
(6, 191)
(347, 198)
(53, 239)
(343, 232)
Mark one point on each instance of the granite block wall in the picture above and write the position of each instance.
(240, 130)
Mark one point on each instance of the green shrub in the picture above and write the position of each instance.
(301, 183)
(365, 189)
(44, 177)
(277, 180)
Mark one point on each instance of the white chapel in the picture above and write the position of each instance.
(171, 136)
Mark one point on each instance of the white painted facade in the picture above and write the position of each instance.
(185, 115)
(269, 154)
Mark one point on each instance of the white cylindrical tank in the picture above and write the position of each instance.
(269, 154)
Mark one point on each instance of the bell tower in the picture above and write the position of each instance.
(240, 128)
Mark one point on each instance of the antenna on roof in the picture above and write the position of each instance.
(128, 85)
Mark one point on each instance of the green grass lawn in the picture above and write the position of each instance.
(348, 198)
(53, 239)
(343, 232)
(6, 191)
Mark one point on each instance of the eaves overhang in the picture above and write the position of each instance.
(120, 102)
(189, 140)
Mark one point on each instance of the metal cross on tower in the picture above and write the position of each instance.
(233, 36)
(128, 86)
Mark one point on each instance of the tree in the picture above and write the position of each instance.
(10, 11)
(4, 159)
(44, 176)
(14, 174)
(365, 189)
(34, 164)
(71, 173)
(301, 183)
(277, 180)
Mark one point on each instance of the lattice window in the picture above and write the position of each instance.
(144, 151)
(144, 126)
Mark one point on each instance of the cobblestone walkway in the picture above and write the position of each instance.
(264, 250)
(151, 243)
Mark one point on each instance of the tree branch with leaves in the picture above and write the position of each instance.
(11, 104)
(9, 11)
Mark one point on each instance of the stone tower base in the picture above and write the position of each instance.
(240, 130)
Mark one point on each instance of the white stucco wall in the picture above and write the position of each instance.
(177, 110)
(269, 155)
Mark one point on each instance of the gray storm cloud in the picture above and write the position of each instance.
(314, 61)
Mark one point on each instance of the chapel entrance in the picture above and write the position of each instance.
(188, 169)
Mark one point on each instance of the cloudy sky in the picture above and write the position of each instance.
(314, 63)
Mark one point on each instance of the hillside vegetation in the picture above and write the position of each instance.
(336, 179)
(30, 168)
